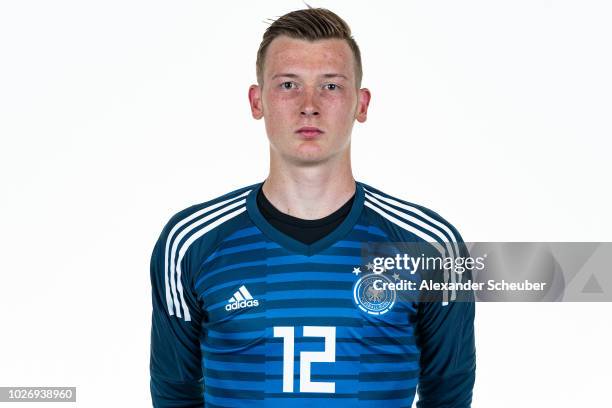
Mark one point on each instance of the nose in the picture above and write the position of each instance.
(309, 105)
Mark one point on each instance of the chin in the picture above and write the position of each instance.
(309, 153)
(310, 158)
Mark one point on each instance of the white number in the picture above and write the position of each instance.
(328, 355)
(288, 335)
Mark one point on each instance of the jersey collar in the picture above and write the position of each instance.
(294, 245)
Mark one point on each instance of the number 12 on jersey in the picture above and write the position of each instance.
(328, 355)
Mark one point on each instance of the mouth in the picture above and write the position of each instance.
(309, 132)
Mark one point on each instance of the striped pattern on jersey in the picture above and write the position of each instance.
(376, 358)
(280, 326)
(414, 220)
(186, 232)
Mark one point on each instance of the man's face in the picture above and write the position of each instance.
(309, 99)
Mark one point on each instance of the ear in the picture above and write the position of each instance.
(362, 104)
(255, 101)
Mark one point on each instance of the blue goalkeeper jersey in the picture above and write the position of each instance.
(246, 316)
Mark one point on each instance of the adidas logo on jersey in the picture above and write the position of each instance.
(241, 299)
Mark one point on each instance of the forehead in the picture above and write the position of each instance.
(296, 56)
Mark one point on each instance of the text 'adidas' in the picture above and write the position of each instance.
(241, 299)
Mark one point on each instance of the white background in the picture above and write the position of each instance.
(114, 115)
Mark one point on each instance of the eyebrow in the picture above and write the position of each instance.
(330, 75)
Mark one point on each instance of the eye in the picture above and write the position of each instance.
(287, 85)
(331, 87)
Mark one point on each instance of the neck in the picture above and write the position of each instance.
(309, 192)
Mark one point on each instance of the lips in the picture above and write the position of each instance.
(309, 131)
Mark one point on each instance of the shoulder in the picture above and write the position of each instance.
(207, 220)
(408, 217)
(223, 204)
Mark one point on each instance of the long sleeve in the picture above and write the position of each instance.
(175, 363)
(445, 336)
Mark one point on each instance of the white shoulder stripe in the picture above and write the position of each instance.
(169, 301)
(415, 231)
(452, 249)
(179, 238)
(186, 246)
(421, 214)
(184, 221)
(408, 217)
(426, 237)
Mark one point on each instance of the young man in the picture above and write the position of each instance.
(262, 297)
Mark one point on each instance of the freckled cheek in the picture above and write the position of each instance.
(281, 104)
(288, 104)
(280, 119)
(336, 101)
(337, 108)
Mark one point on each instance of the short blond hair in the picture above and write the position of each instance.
(309, 24)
